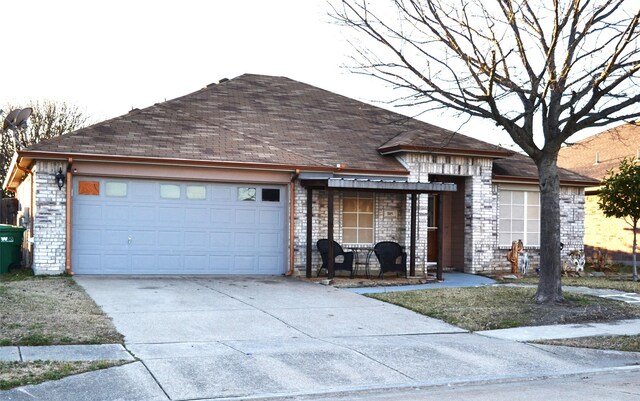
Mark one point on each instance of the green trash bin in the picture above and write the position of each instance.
(10, 246)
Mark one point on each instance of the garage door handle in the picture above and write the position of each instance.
(129, 240)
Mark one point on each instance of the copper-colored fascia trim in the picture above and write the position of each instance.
(204, 163)
(448, 151)
(507, 179)
(69, 189)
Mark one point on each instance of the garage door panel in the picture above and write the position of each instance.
(197, 217)
(169, 264)
(244, 264)
(195, 228)
(196, 239)
(221, 193)
(146, 264)
(115, 213)
(143, 214)
(143, 238)
(171, 239)
(196, 263)
(173, 214)
(87, 237)
(246, 217)
(269, 240)
(143, 191)
(220, 264)
(115, 263)
(222, 216)
(88, 261)
(88, 213)
(269, 217)
(220, 240)
(268, 263)
(245, 241)
(116, 237)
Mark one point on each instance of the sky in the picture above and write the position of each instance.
(108, 57)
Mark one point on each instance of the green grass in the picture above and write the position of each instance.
(489, 308)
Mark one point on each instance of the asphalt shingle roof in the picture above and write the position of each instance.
(264, 119)
(521, 166)
(611, 145)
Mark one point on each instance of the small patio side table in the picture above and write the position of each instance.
(362, 258)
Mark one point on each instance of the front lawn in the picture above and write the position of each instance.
(50, 310)
(496, 307)
(610, 282)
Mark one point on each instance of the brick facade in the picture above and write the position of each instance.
(572, 229)
(479, 237)
(476, 238)
(49, 225)
(389, 212)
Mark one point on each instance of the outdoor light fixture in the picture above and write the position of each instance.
(60, 178)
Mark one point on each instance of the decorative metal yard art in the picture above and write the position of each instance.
(577, 260)
(514, 256)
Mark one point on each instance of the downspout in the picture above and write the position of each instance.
(31, 214)
(68, 220)
(292, 214)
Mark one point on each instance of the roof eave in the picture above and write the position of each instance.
(206, 163)
(507, 179)
(497, 154)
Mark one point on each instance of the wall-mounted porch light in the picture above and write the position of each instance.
(60, 178)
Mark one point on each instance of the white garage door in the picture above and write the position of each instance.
(123, 226)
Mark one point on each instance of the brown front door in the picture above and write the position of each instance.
(432, 231)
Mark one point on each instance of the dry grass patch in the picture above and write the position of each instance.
(51, 310)
(616, 343)
(609, 282)
(489, 308)
(15, 374)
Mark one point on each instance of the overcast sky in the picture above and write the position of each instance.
(107, 57)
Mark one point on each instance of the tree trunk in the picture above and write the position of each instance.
(549, 286)
(635, 243)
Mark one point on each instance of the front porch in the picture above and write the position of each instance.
(395, 208)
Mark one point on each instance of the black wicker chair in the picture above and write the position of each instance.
(391, 257)
(347, 257)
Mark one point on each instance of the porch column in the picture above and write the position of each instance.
(440, 235)
(330, 255)
(309, 229)
(412, 239)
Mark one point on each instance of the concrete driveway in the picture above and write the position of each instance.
(210, 338)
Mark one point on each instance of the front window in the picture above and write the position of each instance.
(519, 217)
(357, 218)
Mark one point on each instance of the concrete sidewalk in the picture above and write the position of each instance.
(562, 331)
(93, 352)
(451, 280)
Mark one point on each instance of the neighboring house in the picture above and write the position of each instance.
(239, 178)
(594, 157)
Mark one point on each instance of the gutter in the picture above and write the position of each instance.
(205, 163)
(69, 190)
(528, 180)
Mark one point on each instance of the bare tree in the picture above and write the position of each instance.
(541, 70)
(48, 120)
